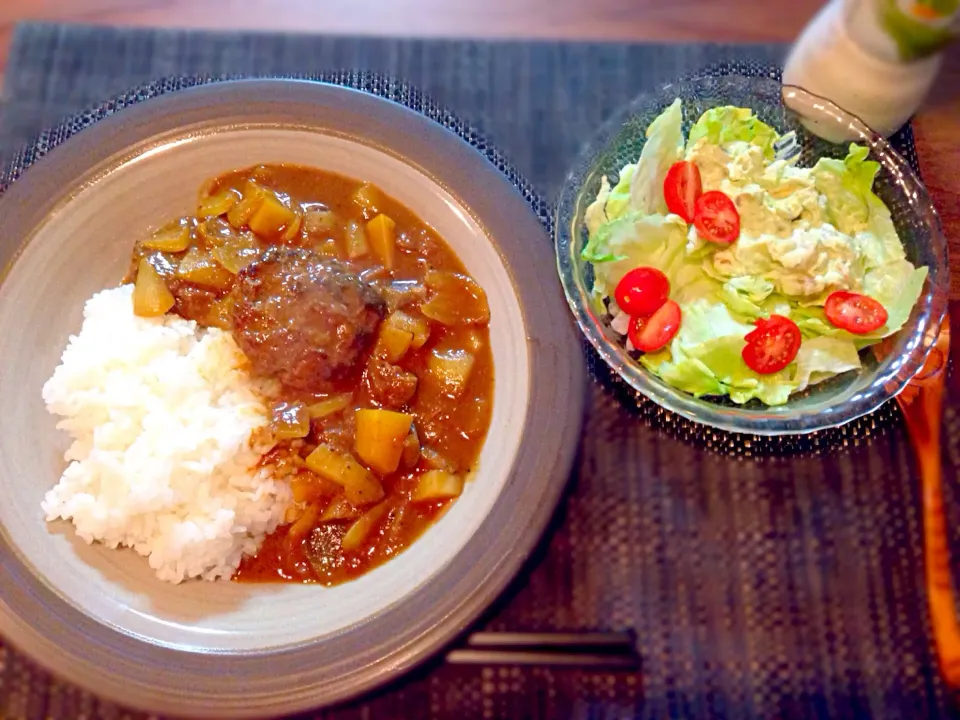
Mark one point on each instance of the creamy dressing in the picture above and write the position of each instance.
(784, 234)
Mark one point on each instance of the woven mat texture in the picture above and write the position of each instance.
(761, 582)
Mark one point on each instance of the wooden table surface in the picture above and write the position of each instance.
(937, 125)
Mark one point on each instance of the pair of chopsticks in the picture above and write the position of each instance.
(593, 651)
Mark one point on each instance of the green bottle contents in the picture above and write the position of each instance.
(903, 30)
(919, 28)
(876, 59)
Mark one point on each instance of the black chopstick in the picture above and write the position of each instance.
(588, 650)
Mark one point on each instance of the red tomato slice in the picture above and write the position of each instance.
(681, 188)
(716, 218)
(641, 291)
(854, 312)
(649, 334)
(772, 345)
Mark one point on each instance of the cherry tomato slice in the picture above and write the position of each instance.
(649, 334)
(681, 188)
(716, 218)
(641, 291)
(854, 312)
(772, 345)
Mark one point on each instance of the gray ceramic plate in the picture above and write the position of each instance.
(98, 617)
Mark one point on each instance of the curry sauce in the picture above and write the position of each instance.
(370, 339)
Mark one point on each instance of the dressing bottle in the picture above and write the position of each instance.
(876, 59)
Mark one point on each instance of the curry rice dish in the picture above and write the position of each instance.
(290, 385)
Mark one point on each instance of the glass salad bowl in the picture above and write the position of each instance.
(820, 130)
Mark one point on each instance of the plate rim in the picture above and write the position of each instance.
(113, 664)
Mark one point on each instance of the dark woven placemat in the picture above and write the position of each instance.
(785, 586)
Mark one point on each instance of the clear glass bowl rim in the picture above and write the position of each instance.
(922, 327)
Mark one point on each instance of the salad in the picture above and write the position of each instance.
(735, 273)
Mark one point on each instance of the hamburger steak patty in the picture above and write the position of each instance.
(304, 319)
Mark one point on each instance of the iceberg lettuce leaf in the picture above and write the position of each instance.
(632, 240)
(664, 147)
(724, 125)
(853, 207)
(823, 357)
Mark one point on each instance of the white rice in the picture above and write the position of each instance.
(161, 414)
